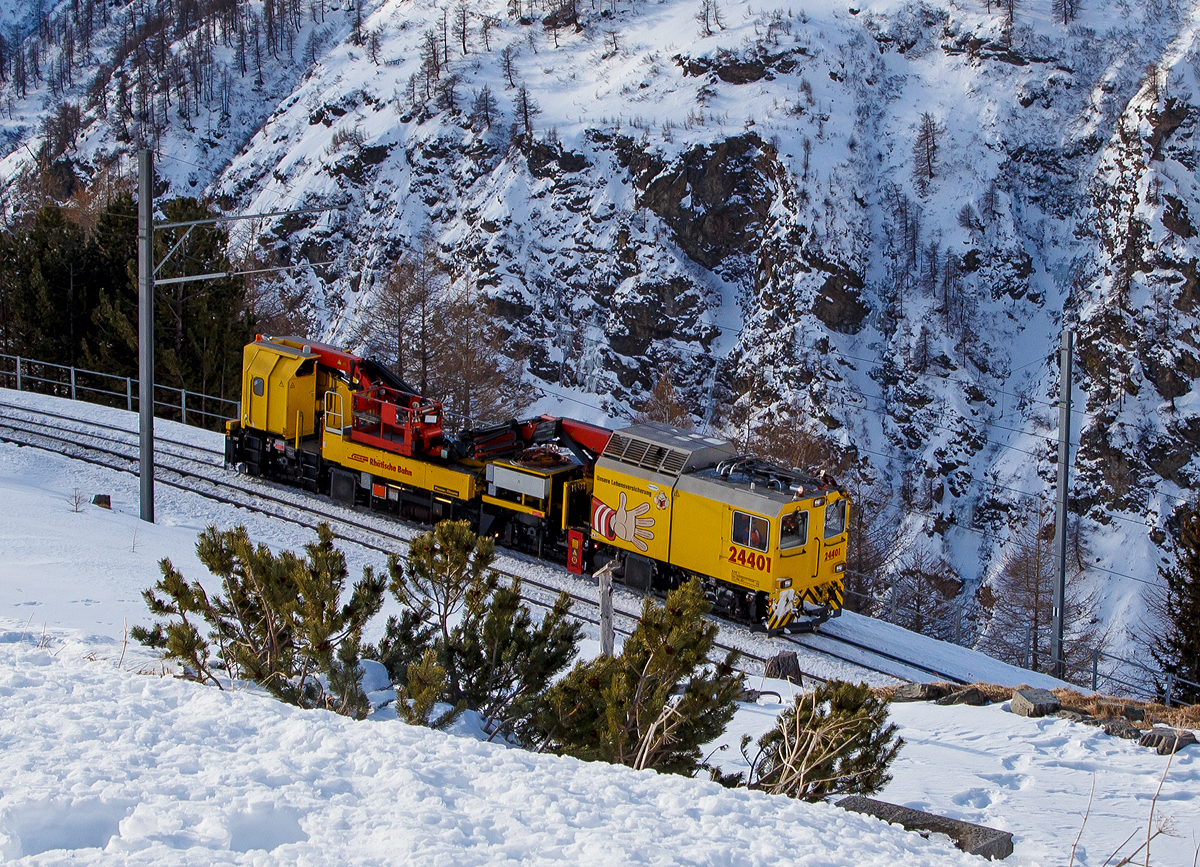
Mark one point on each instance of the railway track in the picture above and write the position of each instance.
(200, 470)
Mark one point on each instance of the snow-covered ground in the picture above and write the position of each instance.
(104, 761)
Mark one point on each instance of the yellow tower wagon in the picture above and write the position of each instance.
(769, 542)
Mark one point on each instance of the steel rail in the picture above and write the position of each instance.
(259, 490)
(883, 654)
(38, 413)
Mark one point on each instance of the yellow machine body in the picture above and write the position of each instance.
(661, 494)
(279, 390)
(447, 481)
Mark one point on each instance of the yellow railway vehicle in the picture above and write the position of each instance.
(666, 504)
(769, 542)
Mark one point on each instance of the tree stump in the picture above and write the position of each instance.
(785, 666)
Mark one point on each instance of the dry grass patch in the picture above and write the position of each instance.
(1102, 707)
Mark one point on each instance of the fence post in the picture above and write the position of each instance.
(1170, 688)
(183, 404)
(1028, 647)
(72, 383)
(18, 373)
(607, 642)
(129, 393)
(1095, 667)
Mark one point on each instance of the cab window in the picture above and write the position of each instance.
(793, 530)
(258, 386)
(835, 519)
(750, 531)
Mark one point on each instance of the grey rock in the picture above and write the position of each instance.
(921, 692)
(1118, 728)
(990, 843)
(1167, 740)
(972, 695)
(104, 501)
(784, 666)
(1034, 702)
(1070, 715)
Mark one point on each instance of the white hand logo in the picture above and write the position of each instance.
(628, 525)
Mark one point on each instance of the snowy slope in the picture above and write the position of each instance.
(138, 769)
(742, 209)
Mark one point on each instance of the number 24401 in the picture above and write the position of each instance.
(749, 559)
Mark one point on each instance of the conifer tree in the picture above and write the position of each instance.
(277, 622)
(833, 741)
(1019, 603)
(626, 710)
(925, 152)
(494, 659)
(1177, 648)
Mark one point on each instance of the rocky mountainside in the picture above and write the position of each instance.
(865, 223)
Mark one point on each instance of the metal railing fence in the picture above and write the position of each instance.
(108, 389)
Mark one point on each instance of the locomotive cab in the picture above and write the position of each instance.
(767, 541)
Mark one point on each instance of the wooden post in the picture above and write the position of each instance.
(607, 638)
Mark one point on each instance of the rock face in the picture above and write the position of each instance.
(922, 691)
(1034, 702)
(784, 666)
(972, 696)
(716, 198)
(1167, 740)
(979, 840)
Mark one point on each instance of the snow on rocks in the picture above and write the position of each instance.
(1034, 702)
(101, 765)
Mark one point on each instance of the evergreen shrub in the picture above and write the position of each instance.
(277, 621)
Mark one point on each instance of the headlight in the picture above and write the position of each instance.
(785, 583)
(840, 567)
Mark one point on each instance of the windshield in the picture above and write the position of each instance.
(835, 519)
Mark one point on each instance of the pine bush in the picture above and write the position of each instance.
(833, 741)
(655, 704)
(488, 654)
(277, 622)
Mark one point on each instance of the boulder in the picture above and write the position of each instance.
(1034, 702)
(104, 501)
(1167, 740)
(972, 696)
(1072, 715)
(784, 666)
(979, 840)
(1118, 728)
(921, 691)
